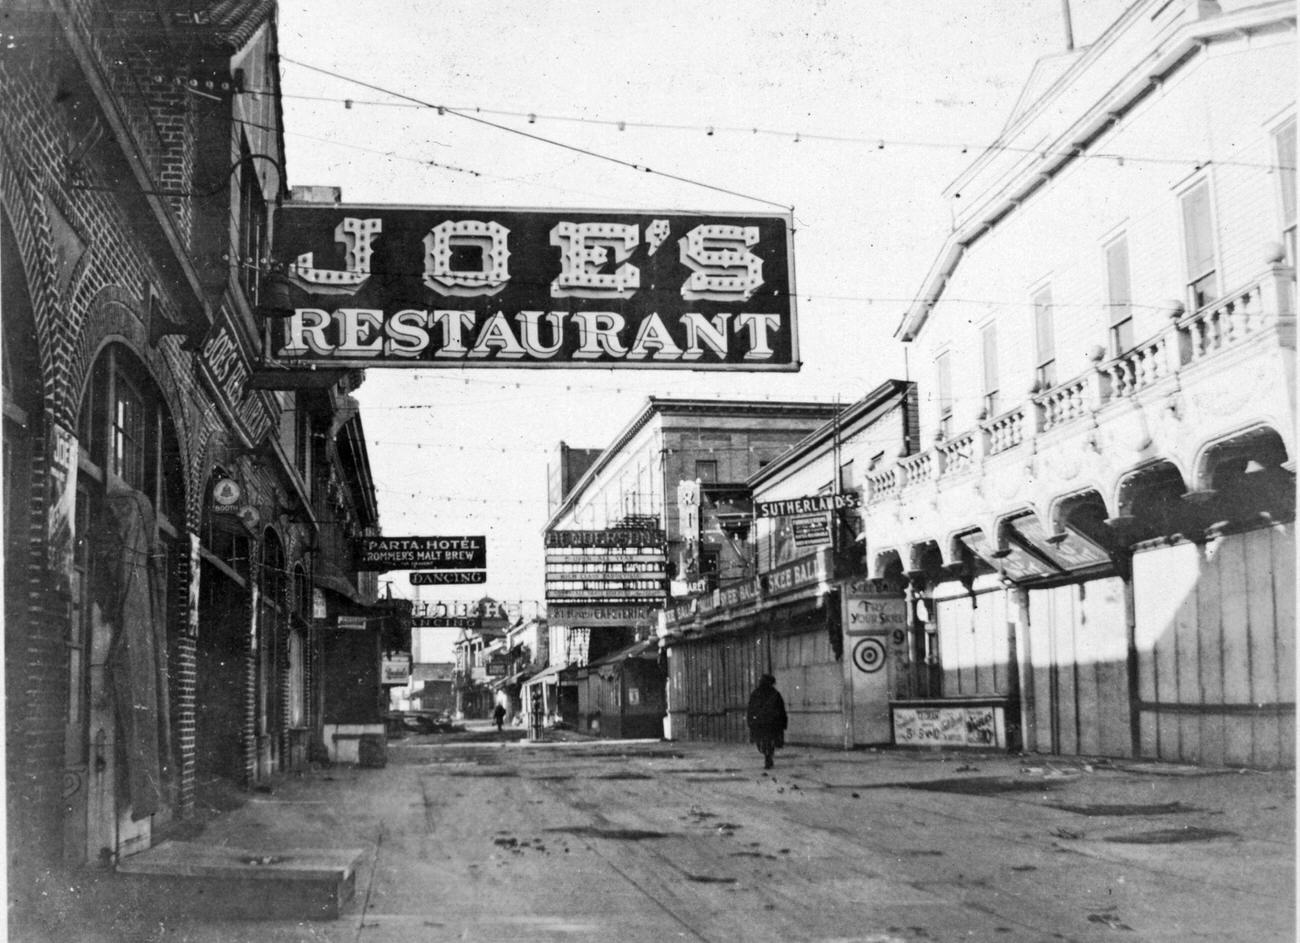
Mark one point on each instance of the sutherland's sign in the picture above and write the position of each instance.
(384, 286)
(814, 504)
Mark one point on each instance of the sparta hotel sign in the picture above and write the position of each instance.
(387, 286)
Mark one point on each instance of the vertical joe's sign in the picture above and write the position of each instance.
(427, 287)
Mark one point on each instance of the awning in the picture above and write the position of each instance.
(647, 648)
(508, 680)
(548, 675)
(328, 577)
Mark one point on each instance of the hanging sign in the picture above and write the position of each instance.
(383, 286)
(409, 553)
(448, 578)
(396, 668)
(811, 531)
(226, 493)
(812, 504)
(446, 622)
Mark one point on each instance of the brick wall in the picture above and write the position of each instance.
(82, 301)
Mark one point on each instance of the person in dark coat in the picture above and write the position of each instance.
(499, 715)
(767, 719)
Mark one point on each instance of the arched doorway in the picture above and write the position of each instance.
(272, 659)
(222, 652)
(129, 509)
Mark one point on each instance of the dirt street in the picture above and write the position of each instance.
(646, 841)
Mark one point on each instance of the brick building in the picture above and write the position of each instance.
(782, 615)
(165, 511)
(647, 519)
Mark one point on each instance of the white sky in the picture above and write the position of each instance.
(471, 457)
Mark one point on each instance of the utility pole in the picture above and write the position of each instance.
(1069, 25)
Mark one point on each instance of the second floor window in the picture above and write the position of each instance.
(1119, 296)
(943, 384)
(1198, 242)
(707, 471)
(128, 451)
(1284, 143)
(252, 228)
(989, 353)
(1044, 340)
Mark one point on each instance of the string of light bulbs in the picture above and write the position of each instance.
(587, 152)
(473, 112)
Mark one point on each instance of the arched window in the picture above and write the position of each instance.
(128, 447)
(272, 659)
(297, 648)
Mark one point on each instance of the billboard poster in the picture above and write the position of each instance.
(981, 726)
(62, 503)
(390, 286)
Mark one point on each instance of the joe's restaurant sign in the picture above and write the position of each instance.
(457, 287)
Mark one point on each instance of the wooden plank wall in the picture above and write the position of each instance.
(973, 643)
(1216, 649)
(811, 680)
(1076, 659)
(712, 680)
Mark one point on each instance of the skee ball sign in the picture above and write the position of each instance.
(380, 286)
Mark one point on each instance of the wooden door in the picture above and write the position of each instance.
(1077, 669)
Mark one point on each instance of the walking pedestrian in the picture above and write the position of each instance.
(499, 715)
(767, 719)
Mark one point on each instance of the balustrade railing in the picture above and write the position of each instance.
(1220, 325)
(1144, 365)
(1006, 431)
(884, 484)
(957, 455)
(918, 468)
(1188, 340)
(1064, 403)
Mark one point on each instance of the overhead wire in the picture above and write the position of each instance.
(879, 142)
(442, 109)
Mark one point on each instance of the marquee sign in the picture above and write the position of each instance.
(616, 566)
(446, 622)
(601, 615)
(455, 287)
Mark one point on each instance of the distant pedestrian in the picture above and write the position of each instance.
(499, 715)
(766, 717)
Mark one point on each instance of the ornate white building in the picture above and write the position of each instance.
(1098, 529)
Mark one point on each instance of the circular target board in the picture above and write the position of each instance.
(869, 655)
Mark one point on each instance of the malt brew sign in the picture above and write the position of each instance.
(419, 553)
(457, 287)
